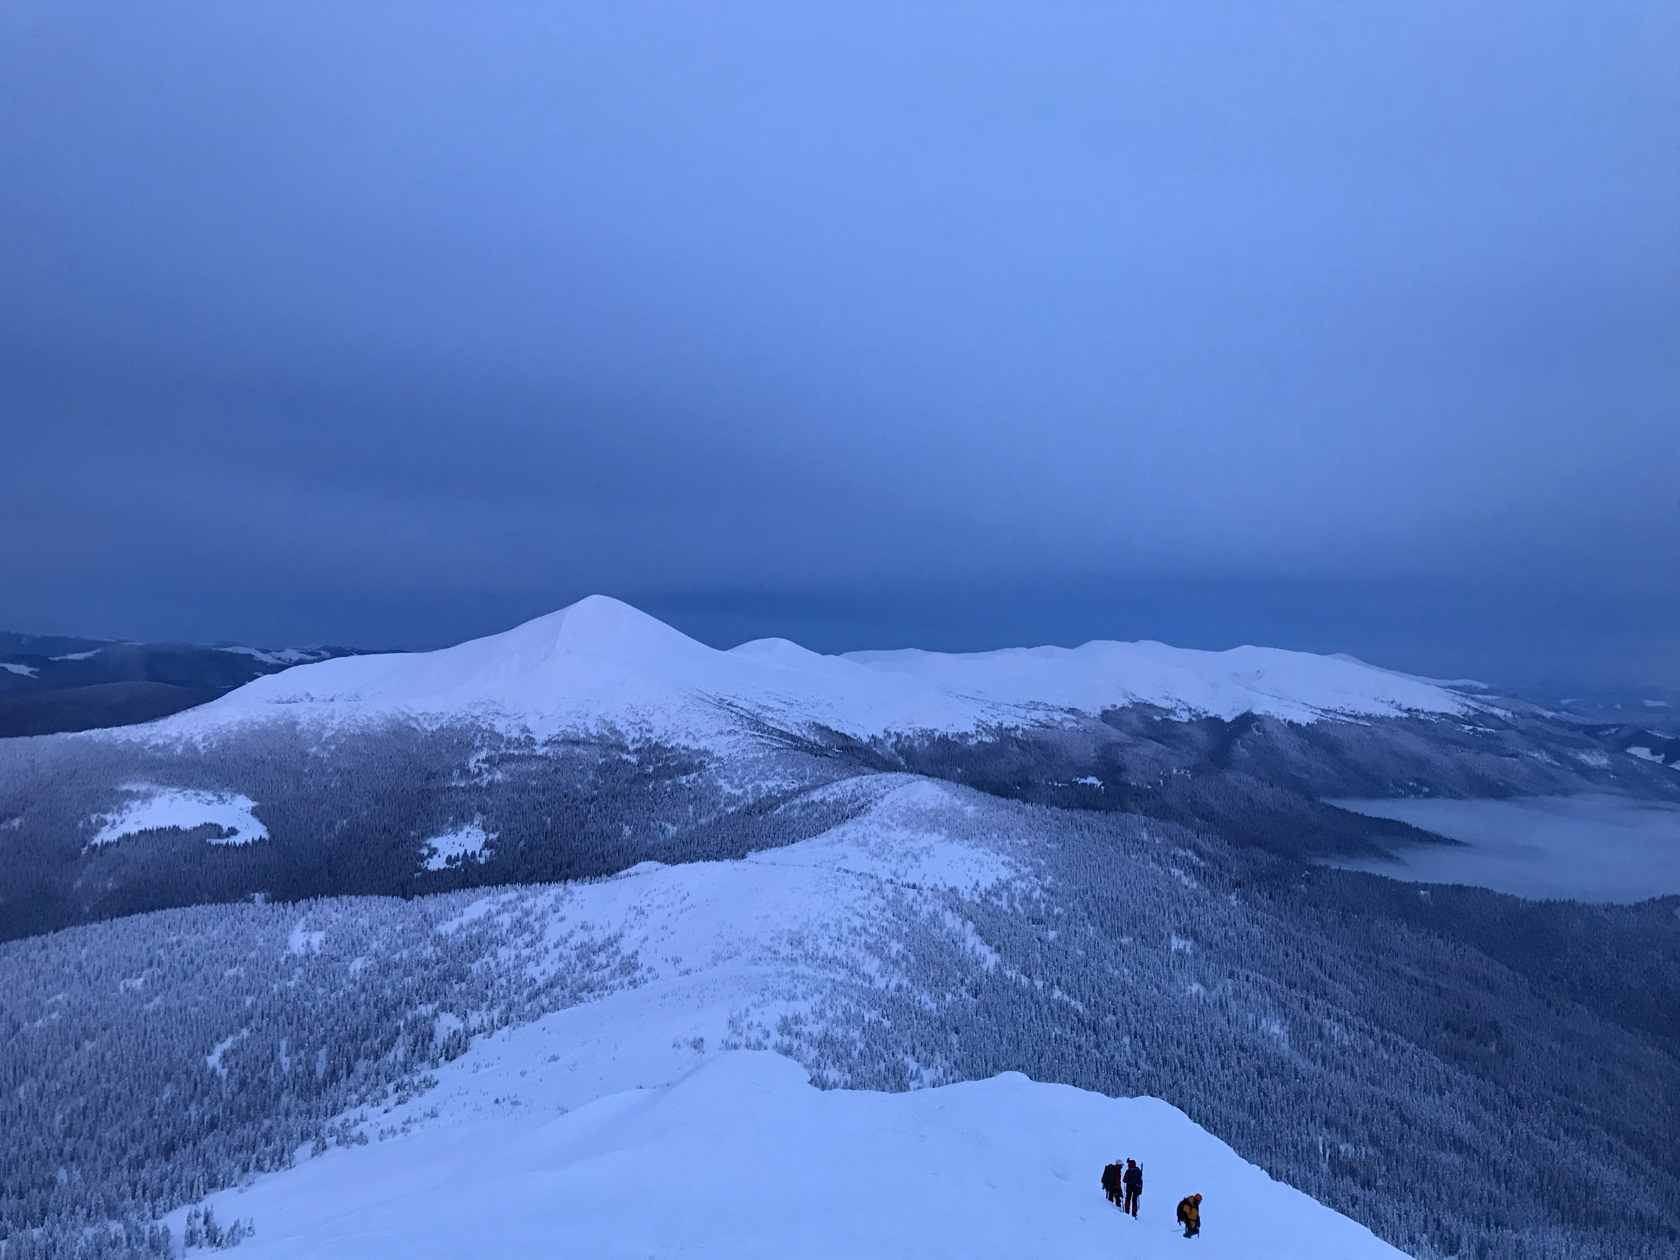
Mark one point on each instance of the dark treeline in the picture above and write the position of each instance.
(1260, 781)
(149, 1061)
(352, 812)
(350, 809)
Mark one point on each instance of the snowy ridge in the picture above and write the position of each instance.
(1295, 686)
(741, 1157)
(651, 1122)
(602, 665)
(819, 910)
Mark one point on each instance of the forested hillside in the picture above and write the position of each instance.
(96, 826)
(1333, 1027)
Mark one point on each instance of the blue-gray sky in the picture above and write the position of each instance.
(1346, 327)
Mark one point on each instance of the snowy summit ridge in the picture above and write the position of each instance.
(600, 663)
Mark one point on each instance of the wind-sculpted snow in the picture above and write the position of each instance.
(600, 665)
(741, 1157)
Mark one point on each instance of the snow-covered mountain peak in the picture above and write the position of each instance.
(781, 652)
(597, 664)
(597, 625)
(600, 663)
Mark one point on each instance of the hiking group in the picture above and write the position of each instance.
(1124, 1186)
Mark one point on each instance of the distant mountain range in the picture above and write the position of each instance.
(600, 664)
(53, 683)
(596, 737)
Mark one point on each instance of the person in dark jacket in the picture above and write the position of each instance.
(1190, 1215)
(1111, 1181)
(1133, 1181)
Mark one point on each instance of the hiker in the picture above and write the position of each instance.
(1111, 1182)
(1190, 1215)
(1133, 1181)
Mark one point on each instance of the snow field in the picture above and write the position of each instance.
(465, 843)
(156, 808)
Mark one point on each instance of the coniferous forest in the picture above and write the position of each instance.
(1448, 1065)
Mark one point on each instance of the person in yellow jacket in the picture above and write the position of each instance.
(1190, 1215)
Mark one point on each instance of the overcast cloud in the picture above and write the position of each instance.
(1348, 327)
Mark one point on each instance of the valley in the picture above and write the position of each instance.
(1592, 847)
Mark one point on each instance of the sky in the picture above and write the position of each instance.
(1338, 327)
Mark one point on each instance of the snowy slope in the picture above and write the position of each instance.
(727, 948)
(1296, 686)
(631, 1126)
(742, 1158)
(602, 665)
